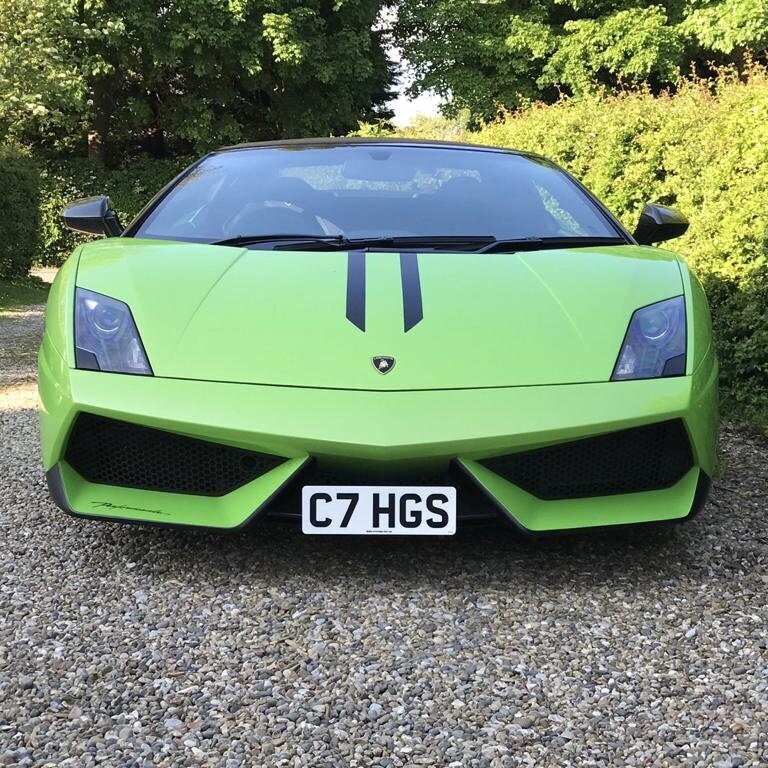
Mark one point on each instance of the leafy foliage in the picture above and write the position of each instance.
(703, 151)
(20, 182)
(490, 56)
(130, 188)
(189, 73)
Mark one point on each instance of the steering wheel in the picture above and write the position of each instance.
(272, 217)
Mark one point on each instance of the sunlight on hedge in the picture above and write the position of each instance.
(703, 151)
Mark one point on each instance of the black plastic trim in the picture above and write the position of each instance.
(85, 360)
(703, 487)
(56, 488)
(675, 366)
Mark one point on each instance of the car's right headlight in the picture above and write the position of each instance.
(106, 338)
(654, 345)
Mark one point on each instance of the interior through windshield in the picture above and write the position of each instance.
(373, 190)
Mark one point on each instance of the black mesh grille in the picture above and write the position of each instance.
(119, 453)
(632, 460)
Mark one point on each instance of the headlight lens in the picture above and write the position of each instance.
(654, 345)
(106, 338)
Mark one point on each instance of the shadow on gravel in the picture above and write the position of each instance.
(263, 557)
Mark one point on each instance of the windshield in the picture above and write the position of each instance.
(373, 191)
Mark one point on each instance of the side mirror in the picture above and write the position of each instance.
(658, 224)
(93, 215)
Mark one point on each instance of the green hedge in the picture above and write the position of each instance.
(19, 221)
(703, 151)
(130, 188)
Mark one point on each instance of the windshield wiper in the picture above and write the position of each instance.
(427, 241)
(470, 243)
(432, 242)
(253, 239)
(543, 243)
(340, 242)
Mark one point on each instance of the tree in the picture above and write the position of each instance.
(190, 73)
(493, 56)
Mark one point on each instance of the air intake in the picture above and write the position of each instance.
(119, 453)
(629, 461)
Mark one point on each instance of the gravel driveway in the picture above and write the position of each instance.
(130, 646)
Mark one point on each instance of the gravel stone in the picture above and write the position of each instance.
(20, 331)
(132, 647)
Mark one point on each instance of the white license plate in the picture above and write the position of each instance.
(363, 509)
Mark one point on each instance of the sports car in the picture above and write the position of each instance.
(377, 337)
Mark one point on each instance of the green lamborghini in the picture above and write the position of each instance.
(377, 337)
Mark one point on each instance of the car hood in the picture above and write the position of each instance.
(317, 319)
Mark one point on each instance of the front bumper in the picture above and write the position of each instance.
(378, 434)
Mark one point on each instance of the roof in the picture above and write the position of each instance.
(340, 141)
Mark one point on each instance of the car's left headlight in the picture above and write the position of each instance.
(106, 337)
(654, 345)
